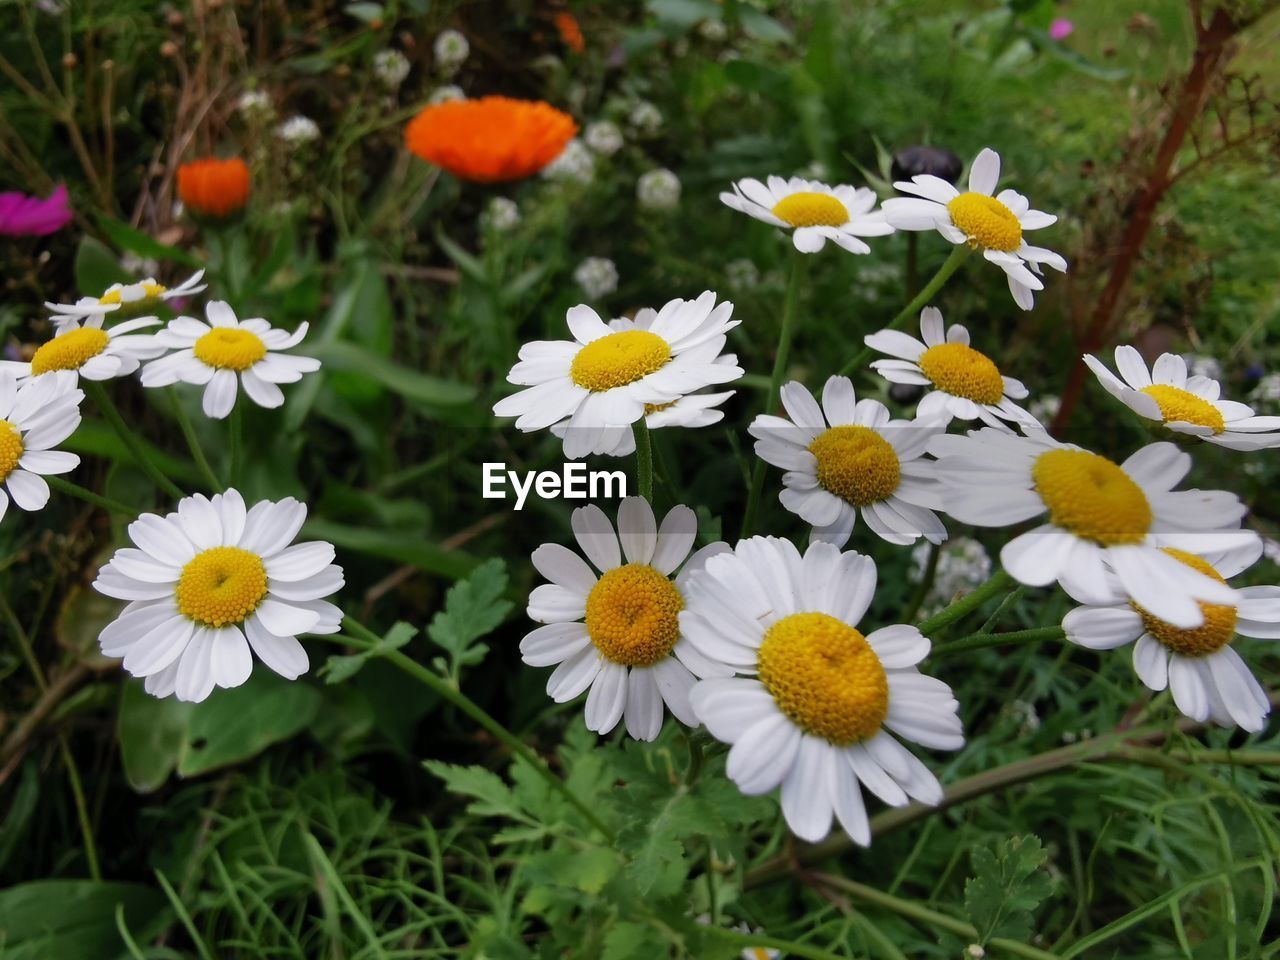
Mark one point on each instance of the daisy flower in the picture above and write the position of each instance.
(1102, 515)
(210, 583)
(601, 381)
(1185, 404)
(615, 633)
(1208, 678)
(35, 415)
(814, 211)
(129, 297)
(846, 457)
(966, 383)
(992, 224)
(86, 350)
(820, 703)
(691, 410)
(214, 354)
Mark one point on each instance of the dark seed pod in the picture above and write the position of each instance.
(914, 161)
(905, 393)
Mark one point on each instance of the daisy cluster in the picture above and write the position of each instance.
(766, 644)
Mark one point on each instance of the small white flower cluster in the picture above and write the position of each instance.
(742, 274)
(390, 67)
(256, 106)
(597, 276)
(963, 564)
(451, 50)
(603, 137)
(298, 130)
(644, 118)
(658, 190)
(574, 165)
(445, 93)
(501, 215)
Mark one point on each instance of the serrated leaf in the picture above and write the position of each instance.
(657, 866)
(491, 795)
(338, 669)
(628, 940)
(1006, 886)
(472, 608)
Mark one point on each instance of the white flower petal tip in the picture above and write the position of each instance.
(808, 702)
(36, 414)
(212, 584)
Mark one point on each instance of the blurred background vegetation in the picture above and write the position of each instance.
(298, 820)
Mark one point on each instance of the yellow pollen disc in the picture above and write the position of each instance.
(70, 350)
(1183, 406)
(230, 349)
(1092, 497)
(811, 210)
(1218, 629)
(856, 464)
(618, 359)
(221, 585)
(632, 615)
(986, 221)
(963, 372)
(825, 677)
(151, 290)
(10, 449)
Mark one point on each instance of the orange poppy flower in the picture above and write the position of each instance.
(570, 32)
(214, 188)
(490, 139)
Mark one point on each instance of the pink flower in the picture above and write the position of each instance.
(1061, 28)
(24, 216)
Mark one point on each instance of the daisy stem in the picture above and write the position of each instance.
(799, 265)
(88, 496)
(921, 299)
(967, 604)
(193, 443)
(235, 444)
(371, 642)
(106, 406)
(644, 459)
(977, 641)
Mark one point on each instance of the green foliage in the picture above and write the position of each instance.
(76, 918)
(473, 608)
(1007, 885)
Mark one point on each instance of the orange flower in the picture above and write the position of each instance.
(490, 139)
(570, 32)
(213, 187)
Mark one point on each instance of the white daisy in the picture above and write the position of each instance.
(130, 297)
(1207, 677)
(1185, 404)
(847, 457)
(86, 350)
(214, 354)
(35, 416)
(615, 633)
(967, 384)
(691, 410)
(1101, 516)
(992, 224)
(211, 582)
(816, 212)
(602, 380)
(821, 701)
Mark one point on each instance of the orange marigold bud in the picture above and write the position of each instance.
(214, 188)
(491, 139)
(570, 32)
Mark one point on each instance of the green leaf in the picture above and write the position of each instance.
(472, 608)
(468, 264)
(628, 940)
(763, 27)
(368, 12)
(49, 919)
(338, 669)
(1006, 886)
(492, 796)
(233, 725)
(402, 546)
(127, 238)
(97, 267)
(419, 387)
(152, 735)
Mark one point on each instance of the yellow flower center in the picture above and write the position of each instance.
(221, 585)
(986, 221)
(963, 372)
(618, 359)
(825, 677)
(856, 464)
(230, 349)
(70, 350)
(1182, 406)
(811, 210)
(10, 449)
(1092, 497)
(1218, 629)
(151, 291)
(633, 615)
